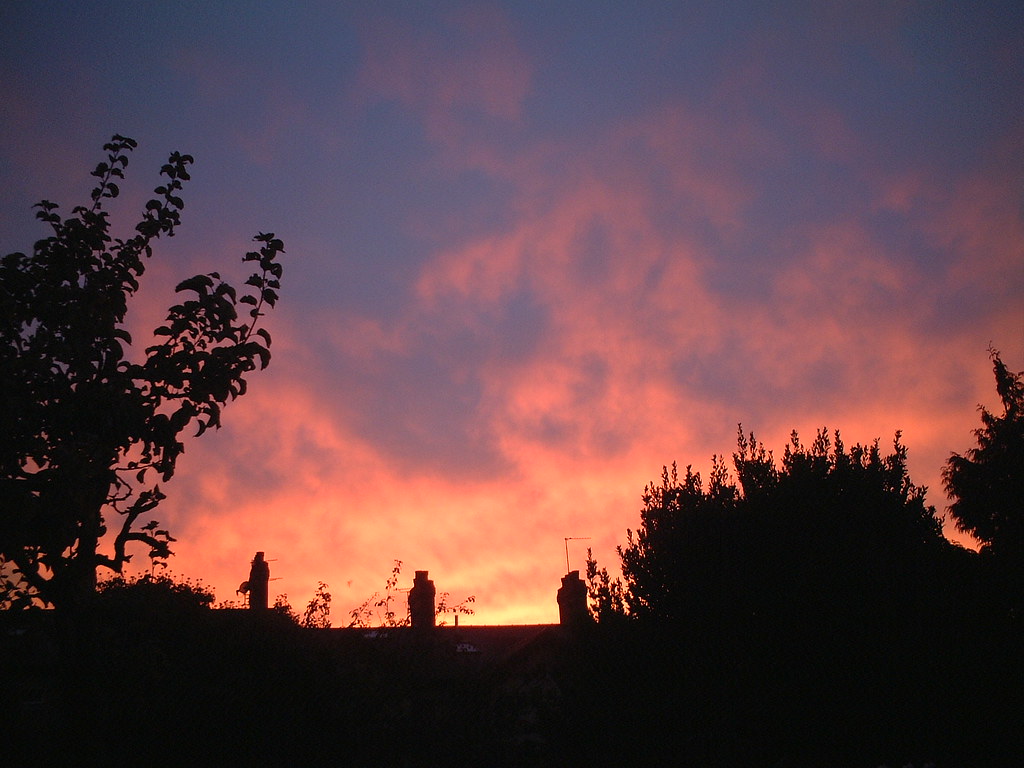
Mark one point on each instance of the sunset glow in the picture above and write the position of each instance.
(534, 254)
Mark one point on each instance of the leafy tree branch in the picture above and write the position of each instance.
(87, 428)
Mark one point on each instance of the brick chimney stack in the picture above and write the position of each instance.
(421, 601)
(259, 583)
(572, 601)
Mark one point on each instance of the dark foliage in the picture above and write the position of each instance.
(827, 529)
(90, 429)
(607, 600)
(807, 613)
(318, 611)
(986, 484)
(155, 593)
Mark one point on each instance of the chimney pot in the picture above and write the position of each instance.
(421, 601)
(259, 583)
(572, 601)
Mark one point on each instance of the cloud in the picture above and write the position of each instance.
(498, 321)
(543, 371)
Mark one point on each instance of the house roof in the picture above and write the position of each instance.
(487, 644)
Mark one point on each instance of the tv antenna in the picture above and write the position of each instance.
(567, 539)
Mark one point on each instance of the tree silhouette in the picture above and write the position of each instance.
(986, 484)
(827, 527)
(157, 594)
(318, 612)
(605, 594)
(88, 427)
(787, 611)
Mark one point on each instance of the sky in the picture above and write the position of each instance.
(537, 251)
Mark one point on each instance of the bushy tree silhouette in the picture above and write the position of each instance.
(828, 527)
(790, 611)
(986, 484)
(88, 428)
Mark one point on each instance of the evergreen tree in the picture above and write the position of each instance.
(986, 484)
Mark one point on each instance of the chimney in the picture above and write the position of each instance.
(259, 583)
(572, 601)
(421, 601)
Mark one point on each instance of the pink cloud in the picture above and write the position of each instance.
(649, 282)
(640, 359)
